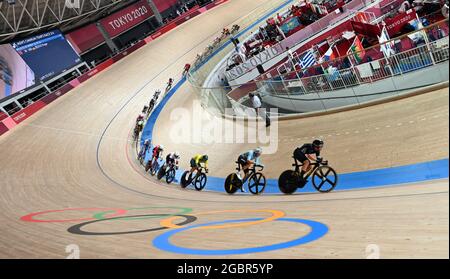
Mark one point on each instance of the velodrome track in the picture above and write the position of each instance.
(76, 153)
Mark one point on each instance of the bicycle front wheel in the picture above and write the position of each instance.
(257, 184)
(200, 182)
(170, 176)
(325, 179)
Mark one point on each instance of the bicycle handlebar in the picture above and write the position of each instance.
(259, 166)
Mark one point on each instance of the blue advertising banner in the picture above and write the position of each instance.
(47, 54)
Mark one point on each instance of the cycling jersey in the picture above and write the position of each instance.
(309, 149)
(250, 156)
(146, 145)
(170, 159)
(198, 160)
(300, 152)
(156, 152)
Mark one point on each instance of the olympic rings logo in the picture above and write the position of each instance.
(162, 242)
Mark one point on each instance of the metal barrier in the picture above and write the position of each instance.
(39, 91)
(420, 57)
(431, 50)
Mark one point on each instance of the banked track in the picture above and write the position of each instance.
(75, 153)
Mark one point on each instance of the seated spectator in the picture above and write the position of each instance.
(279, 18)
(404, 7)
(346, 63)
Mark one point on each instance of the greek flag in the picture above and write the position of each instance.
(308, 59)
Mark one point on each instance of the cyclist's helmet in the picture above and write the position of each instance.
(258, 151)
(318, 143)
(205, 158)
(161, 147)
(176, 155)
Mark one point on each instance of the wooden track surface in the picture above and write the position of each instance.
(76, 153)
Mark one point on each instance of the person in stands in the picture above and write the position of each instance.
(256, 103)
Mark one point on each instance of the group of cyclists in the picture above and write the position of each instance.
(305, 154)
(198, 162)
(147, 110)
(171, 160)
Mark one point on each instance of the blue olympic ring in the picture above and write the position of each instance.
(318, 230)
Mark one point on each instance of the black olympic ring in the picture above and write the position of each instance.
(77, 229)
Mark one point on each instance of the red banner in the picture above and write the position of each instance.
(394, 25)
(163, 5)
(27, 112)
(85, 38)
(2, 116)
(3, 128)
(50, 98)
(164, 30)
(216, 3)
(366, 29)
(96, 70)
(58, 93)
(125, 19)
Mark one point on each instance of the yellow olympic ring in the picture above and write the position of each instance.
(276, 214)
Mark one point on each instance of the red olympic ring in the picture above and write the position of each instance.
(30, 217)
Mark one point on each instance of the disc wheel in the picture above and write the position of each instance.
(232, 184)
(288, 182)
(154, 168)
(184, 181)
(161, 173)
(148, 166)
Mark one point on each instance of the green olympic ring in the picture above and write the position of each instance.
(183, 210)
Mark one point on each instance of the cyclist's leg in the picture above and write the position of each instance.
(305, 168)
(301, 157)
(246, 169)
(193, 168)
(242, 163)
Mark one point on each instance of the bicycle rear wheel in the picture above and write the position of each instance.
(161, 173)
(154, 168)
(148, 166)
(288, 182)
(232, 184)
(184, 180)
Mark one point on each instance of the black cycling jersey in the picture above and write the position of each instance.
(309, 149)
(169, 159)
